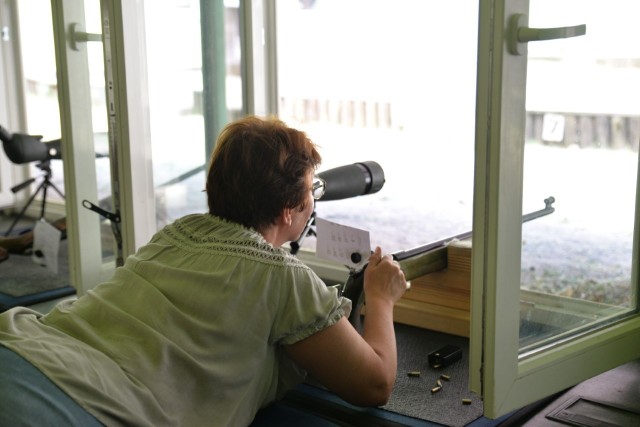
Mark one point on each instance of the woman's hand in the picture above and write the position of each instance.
(383, 278)
(365, 370)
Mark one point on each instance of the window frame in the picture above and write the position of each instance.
(505, 379)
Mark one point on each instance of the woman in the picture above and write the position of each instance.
(211, 320)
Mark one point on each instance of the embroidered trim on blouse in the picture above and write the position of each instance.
(243, 242)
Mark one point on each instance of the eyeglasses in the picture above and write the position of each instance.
(318, 188)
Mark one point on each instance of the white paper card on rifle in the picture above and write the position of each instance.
(347, 245)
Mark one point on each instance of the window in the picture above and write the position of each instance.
(532, 340)
(370, 80)
(40, 84)
(178, 108)
(581, 147)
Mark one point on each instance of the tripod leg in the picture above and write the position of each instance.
(24, 209)
(44, 198)
(46, 184)
(52, 185)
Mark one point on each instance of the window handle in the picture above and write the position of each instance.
(78, 35)
(519, 34)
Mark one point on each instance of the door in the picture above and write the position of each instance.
(554, 300)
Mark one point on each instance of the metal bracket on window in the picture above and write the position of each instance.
(548, 209)
(115, 219)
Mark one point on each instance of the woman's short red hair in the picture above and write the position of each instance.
(257, 169)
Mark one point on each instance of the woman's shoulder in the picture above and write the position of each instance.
(206, 228)
(208, 233)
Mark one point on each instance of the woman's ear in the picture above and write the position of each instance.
(286, 217)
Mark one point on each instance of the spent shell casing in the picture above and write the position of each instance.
(445, 377)
(413, 373)
(436, 389)
(466, 401)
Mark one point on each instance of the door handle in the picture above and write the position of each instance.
(519, 34)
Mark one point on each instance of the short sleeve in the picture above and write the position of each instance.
(308, 306)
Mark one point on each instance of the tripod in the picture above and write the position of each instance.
(45, 166)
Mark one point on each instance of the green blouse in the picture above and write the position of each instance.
(188, 332)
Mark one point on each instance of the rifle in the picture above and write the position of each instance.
(417, 262)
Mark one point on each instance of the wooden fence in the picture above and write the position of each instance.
(352, 113)
(562, 129)
(584, 130)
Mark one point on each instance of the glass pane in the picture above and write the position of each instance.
(583, 128)
(37, 53)
(371, 80)
(175, 72)
(34, 172)
(40, 84)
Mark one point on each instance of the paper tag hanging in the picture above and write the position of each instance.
(46, 243)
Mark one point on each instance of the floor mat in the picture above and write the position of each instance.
(24, 282)
(451, 404)
(412, 402)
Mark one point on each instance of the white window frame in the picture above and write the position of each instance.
(130, 123)
(85, 256)
(132, 178)
(497, 372)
